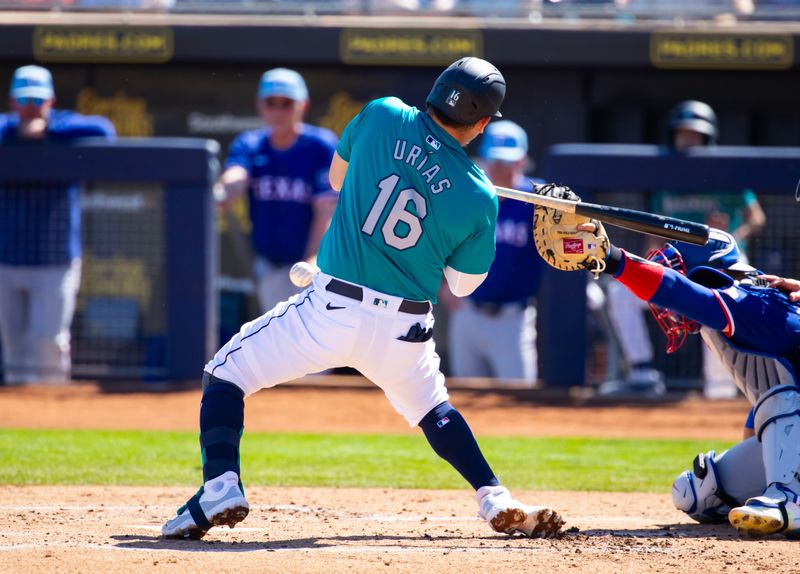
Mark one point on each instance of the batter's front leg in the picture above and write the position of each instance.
(451, 438)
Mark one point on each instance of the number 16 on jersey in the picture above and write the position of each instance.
(398, 213)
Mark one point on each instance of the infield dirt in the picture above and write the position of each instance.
(115, 529)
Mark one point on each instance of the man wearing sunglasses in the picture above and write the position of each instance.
(40, 251)
(283, 168)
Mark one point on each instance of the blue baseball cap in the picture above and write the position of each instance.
(503, 141)
(32, 82)
(284, 83)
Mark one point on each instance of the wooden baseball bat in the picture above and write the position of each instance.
(652, 223)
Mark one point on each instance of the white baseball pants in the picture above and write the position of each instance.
(36, 309)
(501, 346)
(318, 330)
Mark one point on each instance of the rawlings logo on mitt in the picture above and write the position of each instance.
(558, 239)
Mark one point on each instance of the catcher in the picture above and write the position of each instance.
(748, 322)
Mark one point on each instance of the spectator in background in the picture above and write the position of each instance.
(492, 333)
(40, 249)
(283, 167)
(691, 124)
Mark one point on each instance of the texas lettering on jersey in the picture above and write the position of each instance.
(277, 188)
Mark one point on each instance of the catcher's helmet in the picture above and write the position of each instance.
(695, 116)
(721, 252)
(468, 90)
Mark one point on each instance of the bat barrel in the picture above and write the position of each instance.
(644, 222)
(651, 223)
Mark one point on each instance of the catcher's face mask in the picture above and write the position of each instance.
(675, 327)
(719, 252)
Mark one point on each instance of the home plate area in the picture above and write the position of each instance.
(332, 530)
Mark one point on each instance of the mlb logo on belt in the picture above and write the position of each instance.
(573, 246)
(380, 302)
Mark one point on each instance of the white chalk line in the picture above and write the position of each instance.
(367, 517)
(333, 548)
(104, 507)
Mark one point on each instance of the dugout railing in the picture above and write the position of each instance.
(146, 308)
(626, 175)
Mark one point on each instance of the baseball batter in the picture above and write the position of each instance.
(752, 327)
(412, 207)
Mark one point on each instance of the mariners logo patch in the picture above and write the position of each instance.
(573, 246)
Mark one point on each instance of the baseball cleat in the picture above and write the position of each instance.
(774, 511)
(219, 502)
(507, 515)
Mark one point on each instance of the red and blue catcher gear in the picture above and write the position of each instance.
(720, 252)
(675, 327)
(752, 317)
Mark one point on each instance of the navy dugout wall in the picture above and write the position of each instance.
(146, 307)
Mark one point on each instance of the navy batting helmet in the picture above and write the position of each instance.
(695, 116)
(468, 90)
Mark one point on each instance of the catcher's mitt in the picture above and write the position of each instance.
(560, 242)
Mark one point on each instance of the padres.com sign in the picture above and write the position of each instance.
(102, 44)
(722, 51)
(408, 47)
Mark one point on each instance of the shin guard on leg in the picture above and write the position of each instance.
(699, 492)
(221, 427)
(777, 424)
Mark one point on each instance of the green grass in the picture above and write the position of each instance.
(406, 461)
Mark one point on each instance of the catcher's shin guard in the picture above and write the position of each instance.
(777, 423)
(699, 492)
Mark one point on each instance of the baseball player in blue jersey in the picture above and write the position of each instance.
(40, 237)
(755, 331)
(283, 168)
(492, 333)
(412, 207)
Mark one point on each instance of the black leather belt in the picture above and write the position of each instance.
(357, 293)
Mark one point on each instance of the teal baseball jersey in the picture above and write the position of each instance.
(411, 203)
